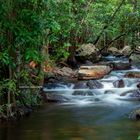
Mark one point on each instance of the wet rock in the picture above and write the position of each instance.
(111, 78)
(54, 97)
(56, 86)
(119, 84)
(135, 57)
(133, 94)
(138, 85)
(135, 115)
(121, 66)
(117, 65)
(113, 58)
(105, 63)
(132, 74)
(114, 51)
(81, 85)
(83, 93)
(58, 74)
(65, 71)
(92, 84)
(108, 92)
(87, 52)
(117, 62)
(137, 48)
(88, 63)
(50, 80)
(97, 99)
(93, 72)
(49, 77)
(126, 50)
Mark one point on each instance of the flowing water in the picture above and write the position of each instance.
(102, 115)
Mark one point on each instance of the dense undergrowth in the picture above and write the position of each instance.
(38, 33)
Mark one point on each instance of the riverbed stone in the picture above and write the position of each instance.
(121, 65)
(109, 92)
(64, 71)
(126, 50)
(93, 72)
(135, 115)
(135, 57)
(83, 93)
(87, 52)
(94, 84)
(114, 51)
(88, 63)
(118, 65)
(119, 83)
(132, 74)
(138, 86)
(56, 85)
(54, 97)
(81, 85)
(132, 94)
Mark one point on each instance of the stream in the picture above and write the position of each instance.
(84, 114)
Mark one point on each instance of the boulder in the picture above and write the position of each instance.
(56, 85)
(49, 77)
(83, 93)
(114, 51)
(58, 74)
(97, 99)
(126, 50)
(117, 63)
(121, 65)
(88, 63)
(93, 72)
(135, 115)
(81, 85)
(132, 74)
(65, 71)
(138, 49)
(131, 95)
(135, 57)
(108, 92)
(138, 86)
(54, 97)
(93, 84)
(119, 84)
(87, 52)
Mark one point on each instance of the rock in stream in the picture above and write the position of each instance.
(93, 72)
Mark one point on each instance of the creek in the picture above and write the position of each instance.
(90, 114)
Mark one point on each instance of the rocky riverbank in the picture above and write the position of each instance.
(96, 76)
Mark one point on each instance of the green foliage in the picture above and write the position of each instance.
(81, 21)
(22, 35)
(26, 26)
(138, 138)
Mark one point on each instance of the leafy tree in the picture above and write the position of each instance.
(35, 31)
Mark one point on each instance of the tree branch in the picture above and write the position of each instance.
(116, 38)
(107, 25)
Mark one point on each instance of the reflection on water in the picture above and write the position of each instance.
(68, 122)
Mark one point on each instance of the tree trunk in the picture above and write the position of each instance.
(110, 21)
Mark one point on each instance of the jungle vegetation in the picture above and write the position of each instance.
(34, 33)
